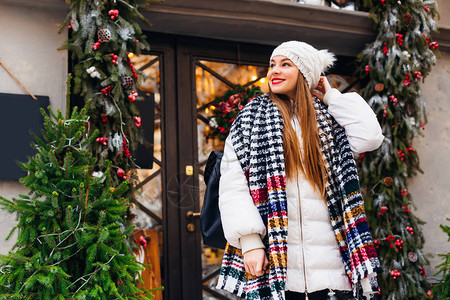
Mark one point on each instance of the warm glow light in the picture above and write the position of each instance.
(254, 78)
(207, 110)
(213, 107)
(262, 80)
(130, 55)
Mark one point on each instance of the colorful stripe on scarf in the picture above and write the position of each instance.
(257, 137)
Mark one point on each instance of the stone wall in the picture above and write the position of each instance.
(430, 191)
(28, 47)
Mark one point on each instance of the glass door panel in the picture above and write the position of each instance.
(214, 79)
(149, 188)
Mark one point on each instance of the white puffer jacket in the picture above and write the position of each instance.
(314, 262)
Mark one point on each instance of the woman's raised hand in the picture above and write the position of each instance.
(255, 262)
(323, 87)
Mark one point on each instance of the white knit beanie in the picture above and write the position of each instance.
(310, 61)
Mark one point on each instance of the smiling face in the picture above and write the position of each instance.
(283, 76)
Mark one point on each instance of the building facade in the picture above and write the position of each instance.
(199, 49)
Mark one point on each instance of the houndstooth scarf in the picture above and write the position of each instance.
(257, 137)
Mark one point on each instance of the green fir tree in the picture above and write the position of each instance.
(442, 289)
(71, 239)
(393, 67)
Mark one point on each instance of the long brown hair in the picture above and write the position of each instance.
(309, 161)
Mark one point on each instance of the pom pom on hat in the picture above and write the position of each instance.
(310, 61)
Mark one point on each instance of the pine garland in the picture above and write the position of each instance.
(225, 109)
(71, 242)
(393, 66)
(104, 36)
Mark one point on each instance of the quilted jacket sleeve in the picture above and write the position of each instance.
(240, 217)
(352, 112)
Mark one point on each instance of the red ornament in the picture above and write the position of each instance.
(399, 243)
(367, 68)
(377, 243)
(422, 125)
(114, 13)
(404, 192)
(106, 90)
(133, 71)
(406, 209)
(142, 241)
(395, 274)
(428, 39)
(104, 118)
(121, 173)
(426, 8)
(383, 210)
(96, 45)
(390, 238)
(410, 229)
(410, 149)
(69, 26)
(361, 157)
(102, 140)
(385, 49)
(383, 2)
(393, 99)
(401, 155)
(125, 149)
(417, 75)
(132, 96)
(429, 294)
(399, 37)
(114, 58)
(433, 45)
(385, 111)
(137, 122)
(407, 80)
(423, 272)
(221, 129)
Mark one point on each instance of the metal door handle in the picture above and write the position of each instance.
(190, 215)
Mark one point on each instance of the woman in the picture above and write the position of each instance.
(291, 151)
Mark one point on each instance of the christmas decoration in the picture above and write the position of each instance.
(388, 181)
(114, 61)
(379, 87)
(224, 109)
(395, 274)
(104, 35)
(102, 73)
(132, 96)
(92, 71)
(137, 121)
(399, 58)
(412, 256)
(70, 242)
(383, 210)
(121, 174)
(407, 18)
(128, 82)
(102, 140)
